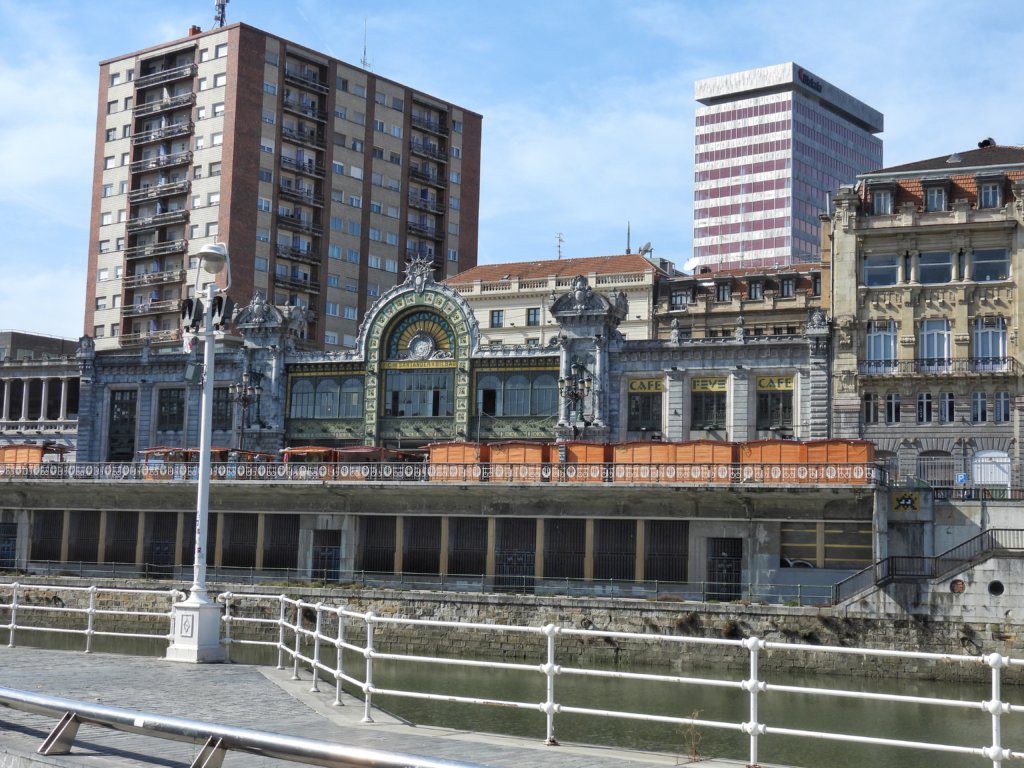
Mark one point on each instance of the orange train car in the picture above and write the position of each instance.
(520, 461)
(584, 462)
(457, 462)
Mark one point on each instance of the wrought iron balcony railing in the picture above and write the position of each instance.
(165, 76)
(159, 190)
(307, 108)
(307, 167)
(156, 249)
(424, 230)
(155, 337)
(426, 124)
(305, 195)
(305, 79)
(161, 161)
(154, 278)
(311, 138)
(299, 224)
(151, 308)
(157, 220)
(161, 134)
(425, 204)
(297, 283)
(938, 366)
(180, 101)
(306, 255)
(428, 150)
(428, 177)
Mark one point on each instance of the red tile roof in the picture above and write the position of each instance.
(533, 270)
(993, 154)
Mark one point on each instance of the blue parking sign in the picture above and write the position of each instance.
(961, 478)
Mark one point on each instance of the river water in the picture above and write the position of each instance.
(912, 722)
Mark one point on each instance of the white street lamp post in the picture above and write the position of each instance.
(195, 629)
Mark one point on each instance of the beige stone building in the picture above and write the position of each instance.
(510, 301)
(927, 318)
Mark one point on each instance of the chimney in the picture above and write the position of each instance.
(194, 30)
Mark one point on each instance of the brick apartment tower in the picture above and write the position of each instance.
(770, 145)
(322, 178)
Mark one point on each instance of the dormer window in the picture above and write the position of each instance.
(755, 291)
(787, 287)
(989, 195)
(935, 199)
(723, 292)
(881, 202)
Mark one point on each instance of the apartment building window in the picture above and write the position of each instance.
(341, 84)
(395, 157)
(357, 145)
(101, 302)
(533, 316)
(497, 318)
(215, 169)
(269, 117)
(391, 211)
(204, 55)
(924, 408)
(1001, 412)
(333, 281)
(355, 201)
(106, 218)
(223, 407)
(200, 113)
(200, 142)
(355, 172)
(990, 196)
(338, 168)
(350, 313)
(115, 330)
(359, 90)
(378, 125)
(355, 228)
(213, 199)
(391, 238)
(118, 246)
(98, 331)
(373, 262)
(816, 285)
(881, 346)
(108, 190)
(351, 285)
(870, 408)
(264, 204)
(330, 337)
(218, 109)
(881, 269)
(375, 234)
(935, 267)
(263, 234)
(979, 407)
(990, 264)
(352, 256)
(787, 287)
(892, 408)
(881, 202)
(391, 265)
(115, 79)
(108, 162)
(456, 152)
(723, 292)
(453, 254)
(104, 246)
(377, 179)
(204, 83)
(935, 199)
(101, 274)
(372, 289)
(269, 88)
(334, 251)
(212, 229)
(455, 177)
(266, 175)
(989, 343)
(332, 309)
(378, 152)
(947, 407)
(220, 80)
(266, 145)
(261, 263)
(220, 51)
(111, 134)
(934, 344)
(457, 126)
(127, 103)
(111, 107)
(358, 118)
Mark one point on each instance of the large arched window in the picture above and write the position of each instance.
(351, 399)
(327, 391)
(302, 400)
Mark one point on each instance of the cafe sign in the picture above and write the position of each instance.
(646, 385)
(713, 384)
(775, 383)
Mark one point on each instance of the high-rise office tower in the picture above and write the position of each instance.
(770, 145)
(321, 177)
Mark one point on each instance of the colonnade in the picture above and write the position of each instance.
(25, 387)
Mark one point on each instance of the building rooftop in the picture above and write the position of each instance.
(533, 270)
(753, 271)
(991, 155)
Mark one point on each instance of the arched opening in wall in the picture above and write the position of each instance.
(937, 468)
(990, 471)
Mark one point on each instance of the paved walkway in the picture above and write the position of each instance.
(261, 698)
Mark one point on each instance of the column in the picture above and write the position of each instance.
(63, 398)
(100, 548)
(179, 538)
(641, 548)
(492, 538)
(5, 409)
(968, 258)
(261, 532)
(442, 559)
(42, 399)
(588, 550)
(914, 264)
(538, 547)
(399, 543)
(65, 537)
(140, 540)
(24, 398)
(218, 546)
(600, 390)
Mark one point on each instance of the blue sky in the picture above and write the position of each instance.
(588, 106)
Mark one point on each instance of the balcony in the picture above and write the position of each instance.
(438, 127)
(310, 138)
(298, 224)
(307, 167)
(426, 204)
(162, 134)
(180, 101)
(305, 108)
(428, 150)
(151, 308)
(152, 250)
(428, 177)
(305, 195)
(423, 230)
(307, 256)
(154, 337)
(165, 76)
(421, 253)
(153, 278)
(305, 79)
(159, 190)
(938, 366)
(296, 283)
(156, 221)
(161, 161)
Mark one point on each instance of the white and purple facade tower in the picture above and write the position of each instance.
(770, 145)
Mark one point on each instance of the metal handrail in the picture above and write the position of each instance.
(218, 738)
(300, 623)
(938, 365)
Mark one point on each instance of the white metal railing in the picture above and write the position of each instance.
(81, 606)
(303, 635)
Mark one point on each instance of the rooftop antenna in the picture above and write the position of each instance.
(221, 16)
(646, 249)
(364, 61)
(627, 238)
(559, 238)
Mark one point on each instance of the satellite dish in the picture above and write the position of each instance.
(645, 249)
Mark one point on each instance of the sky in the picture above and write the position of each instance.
(587, 104)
